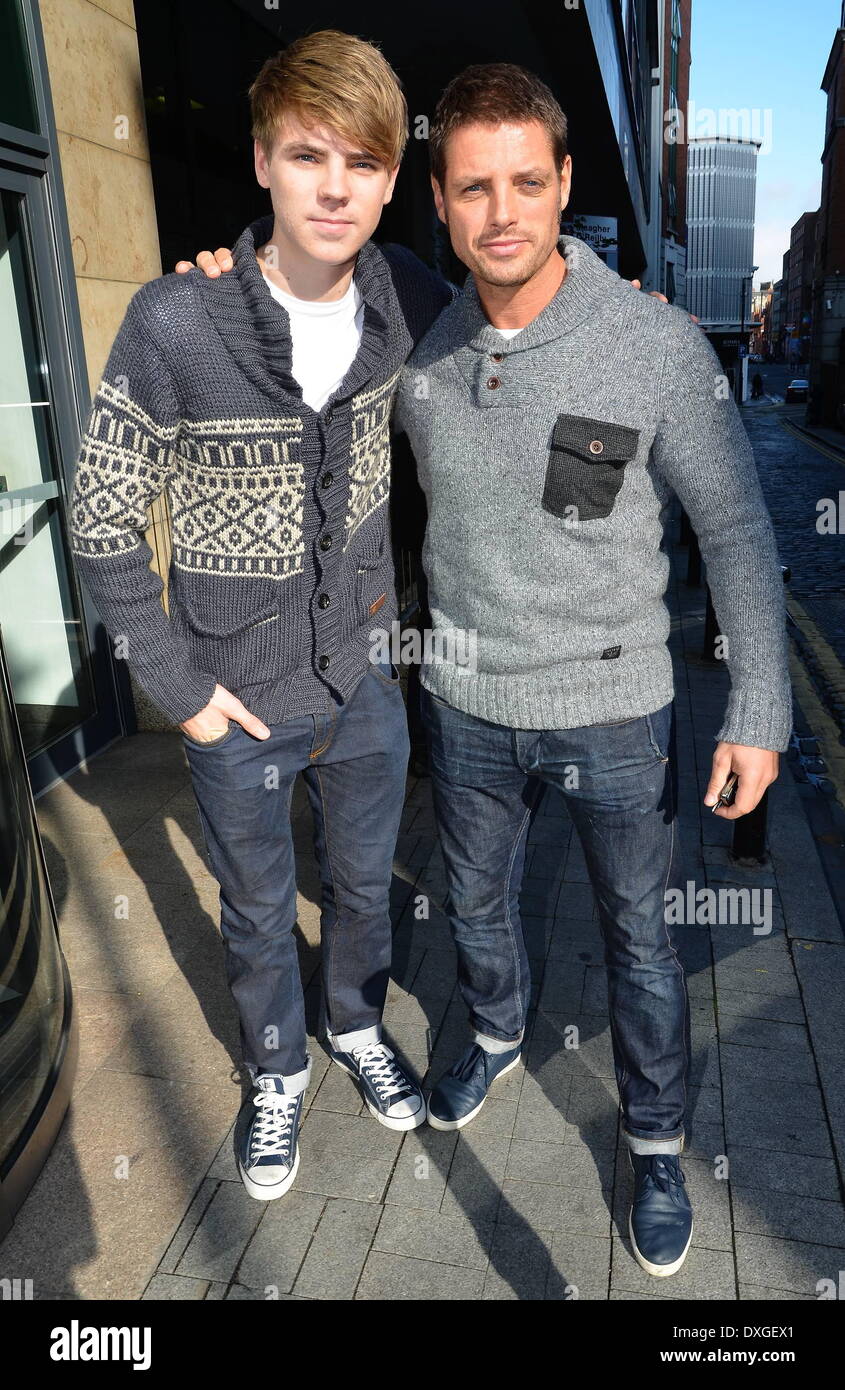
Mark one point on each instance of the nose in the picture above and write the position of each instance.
(502, 206)
(334, 184)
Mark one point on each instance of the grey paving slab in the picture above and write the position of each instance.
(338, 1250)
(395, 1277)
(805, 1175)
(519, 1265)
(706, 1274)
(810, 1219)
(272, 1260)
(346, 1156)
(193, 1216)
(216, 1246)
(422, 1167)
(569, 1165)
(791, 1265)
(474, 1186)
(544, 1207)
(579, 1266)
(175, 1287)
(442, 1238)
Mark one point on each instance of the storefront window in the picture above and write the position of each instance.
(42, 629)
(17, 99)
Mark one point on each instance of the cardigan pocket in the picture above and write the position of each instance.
(586, 467)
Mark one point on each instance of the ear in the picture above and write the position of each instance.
(565, 181)
(439, 201)
(391, 184)
(262, 172)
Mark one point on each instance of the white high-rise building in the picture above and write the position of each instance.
(721, 191)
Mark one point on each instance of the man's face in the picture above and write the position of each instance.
(501, 199)
(327, 194)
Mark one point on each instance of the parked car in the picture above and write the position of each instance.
(797, 390)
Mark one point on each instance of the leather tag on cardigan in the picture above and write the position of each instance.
(610, 652)
(374, 607)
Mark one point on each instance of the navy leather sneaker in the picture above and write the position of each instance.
(660, 1221)
(460, 1094)
(266, 1138)
(390, 1093)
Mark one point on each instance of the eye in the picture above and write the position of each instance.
(304, 156)
(364, 164)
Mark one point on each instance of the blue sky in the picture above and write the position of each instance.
(769, 56)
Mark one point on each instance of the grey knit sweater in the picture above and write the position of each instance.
(548, 461)
(281, 547)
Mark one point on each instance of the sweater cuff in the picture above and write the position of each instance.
(758, 718)
(180, 692)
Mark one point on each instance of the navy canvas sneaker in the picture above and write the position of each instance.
(660, 1220)
(460, 1094)
(390, 1093)
(266, 1138)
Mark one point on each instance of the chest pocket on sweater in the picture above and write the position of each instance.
(586, 466)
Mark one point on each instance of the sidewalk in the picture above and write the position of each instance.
(140, 1197)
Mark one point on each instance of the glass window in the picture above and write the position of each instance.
(17, 97)
(44, 636)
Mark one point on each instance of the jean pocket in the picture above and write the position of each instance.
(659, 726)
(586, 467)
(212, 743)
(386, 671)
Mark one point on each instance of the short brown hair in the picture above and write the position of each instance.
(336, 80)
(487, 94)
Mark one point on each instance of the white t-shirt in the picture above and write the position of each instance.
(508, 332)
(325, 338)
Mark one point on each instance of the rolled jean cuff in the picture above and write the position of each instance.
(294, 1082)
(654, 1146)
(362, 1037)
(497, 1045)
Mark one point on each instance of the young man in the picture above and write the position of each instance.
(261, 403)
(552, 413)
(559, 413)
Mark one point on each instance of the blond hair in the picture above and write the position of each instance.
(335, 80)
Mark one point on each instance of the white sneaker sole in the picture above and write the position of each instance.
(389, 1121)
(659, 1271)
(465, 1119)
(268, 1192)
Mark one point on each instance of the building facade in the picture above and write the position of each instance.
(799, 289)
(827, 330)
(721, 194)
(676, 70)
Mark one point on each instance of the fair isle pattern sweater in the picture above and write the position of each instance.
(281, 557)
(548, 461)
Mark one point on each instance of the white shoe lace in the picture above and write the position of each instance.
(377, 1060)
(273, 1130)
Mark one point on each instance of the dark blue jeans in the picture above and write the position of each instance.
(486, 781)
(354, 760)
